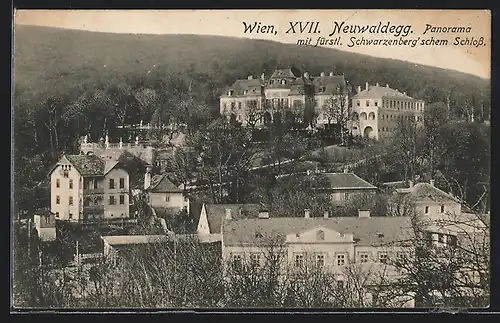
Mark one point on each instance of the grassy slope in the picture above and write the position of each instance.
(49, 59)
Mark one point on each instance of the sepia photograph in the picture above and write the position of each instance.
(250, 159)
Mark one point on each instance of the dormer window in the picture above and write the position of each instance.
(245, 92)
(323, 89)
(283, 82)
(230, 92)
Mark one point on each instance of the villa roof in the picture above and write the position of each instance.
(87, 165)
(380, 91)
(366, 231)
(346, 181)
(217, 212)
(332, 84)
(162, 184)
(246, 87)
(428, 192)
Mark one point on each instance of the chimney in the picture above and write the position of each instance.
(359, 88)
(307, 213)
(250, 77)
(366, 85)
(228, 214)
(364, 213)
(326, 215)
(387, 85)
(147, 178)
(306, 75)
(410, 183)
(263, 214)
(322, 74)
(331, 73)
(431, 182)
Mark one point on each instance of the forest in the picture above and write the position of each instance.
(71, 83)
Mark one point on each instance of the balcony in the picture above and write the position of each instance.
(93, 191)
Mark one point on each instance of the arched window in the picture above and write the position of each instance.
(371, 116)
(355, 116)
(357, 103)
(363, 116)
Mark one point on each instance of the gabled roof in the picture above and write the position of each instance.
(428, 192)
(346, 181)
(87, 165)
(246, 87)
(217, 212)
(333, 84)
(380, 91)
(162, 184)
(366, 231)
(285, 73)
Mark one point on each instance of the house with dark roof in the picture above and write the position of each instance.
(329, 241)
(165, 196)
(343, 186)
(86, 187)
(378, 109)
(261, 100)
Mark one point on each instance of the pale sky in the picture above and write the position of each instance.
(468, 59)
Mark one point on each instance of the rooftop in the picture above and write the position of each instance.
(346, 181)
(162, 184)
(217, 212)
(366, 231)
(87, 165)
(145, 239)
(380, 91)
(428, 192)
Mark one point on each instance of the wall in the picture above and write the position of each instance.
(450, 208)
(340, 195)
(63, 210)
(118, 210)
(176, 200)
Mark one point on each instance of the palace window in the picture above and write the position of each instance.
(239, 105)
(255, 260)
(357, 103)
(70, 184)
(442, 208)
(367, 103)
(299, 260)
(111, 183)
(426, 210)
(122, 199)
(376, 103)
(58, 183)
(167, 199)
(237, 262)
(382, 257)
(70, 215)
(340, 259)
(57, 214)
(58, 199)
(112, 200)
(320, 260)
(340, 284)
(320, 235)
(363, 257)
(70, 200)
(96, 185)
(122, 182)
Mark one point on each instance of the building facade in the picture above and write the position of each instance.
(284, 95)
(377, 110)
(85, 187)
(164, 195)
